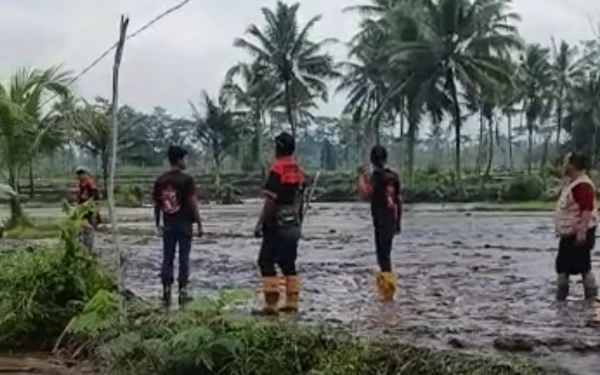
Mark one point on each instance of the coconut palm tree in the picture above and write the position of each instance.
(583, 114)
(216, 129)
(464, 46)
(566, 68)
(93, 132)
(23, 98)
(535, 81)
(250, 86)
(298, 64)
(364, 80)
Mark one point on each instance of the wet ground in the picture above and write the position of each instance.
(478, 282)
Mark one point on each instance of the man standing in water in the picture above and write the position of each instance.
(174, 198)
(575, 218)
(87, 190)
(279, 225)
(382, 188)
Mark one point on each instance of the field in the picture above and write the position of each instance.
(474, 282)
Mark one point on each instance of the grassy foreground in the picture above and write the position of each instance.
(62, 299)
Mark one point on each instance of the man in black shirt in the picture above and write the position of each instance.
(279, 225)
(383, 191)
(174, 196)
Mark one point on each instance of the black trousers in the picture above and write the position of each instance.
(279, 248)
(384, 238)
(174, 238)
(575, 258)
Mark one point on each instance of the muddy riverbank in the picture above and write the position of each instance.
(478, 282)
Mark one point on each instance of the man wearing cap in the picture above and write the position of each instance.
(88, 190)
(279, 226)
(174, 196)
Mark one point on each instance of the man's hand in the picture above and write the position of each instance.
(159, 230)
(258, 229)
(580, 237)
(200, 232)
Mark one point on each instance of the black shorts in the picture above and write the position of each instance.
(575, 258)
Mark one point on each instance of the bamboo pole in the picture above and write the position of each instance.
(113, 158)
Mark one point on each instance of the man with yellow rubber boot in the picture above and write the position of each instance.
(382, 189)
(279, 225)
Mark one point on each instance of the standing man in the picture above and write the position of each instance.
(575, 218)
(174, 198)
(87, 190)
(279, 225)
(382, 189)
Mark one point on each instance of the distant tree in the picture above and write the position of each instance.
(216, 130)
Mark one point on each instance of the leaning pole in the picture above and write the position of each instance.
(112, 212)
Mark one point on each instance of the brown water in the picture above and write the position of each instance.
(480, 282)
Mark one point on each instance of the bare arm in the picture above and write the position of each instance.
(365, 189)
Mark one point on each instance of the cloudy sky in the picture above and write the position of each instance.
(191, 49)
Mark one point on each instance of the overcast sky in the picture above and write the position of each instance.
(191, 49)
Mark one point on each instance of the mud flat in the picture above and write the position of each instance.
(480, 282)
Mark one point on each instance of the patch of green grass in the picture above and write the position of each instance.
(41, 229)
(529, 206)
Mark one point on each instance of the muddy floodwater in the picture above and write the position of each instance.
(478, 282)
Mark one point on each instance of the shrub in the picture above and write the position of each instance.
(129, 196)
(41, 291)
(524, 188)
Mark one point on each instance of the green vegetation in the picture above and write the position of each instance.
(42, 289)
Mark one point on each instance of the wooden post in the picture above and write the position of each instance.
(113, 158)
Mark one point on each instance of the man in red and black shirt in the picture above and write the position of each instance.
(279, 225)
(87, 190)
(174, 196)
(383, 191)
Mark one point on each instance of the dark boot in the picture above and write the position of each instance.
(562, 287)
(184, 297)
(166, 299)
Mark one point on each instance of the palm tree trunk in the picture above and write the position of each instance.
(545, 153)
(480, 147)
(289, 111)
(559, 111)
(490, 158)
(510, 145)
(529, 145)
(457, 124)
(401, 136)
(31, 182)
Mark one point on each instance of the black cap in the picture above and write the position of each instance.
(176, 152)
(285, 143)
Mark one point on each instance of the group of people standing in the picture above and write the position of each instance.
(280, 222)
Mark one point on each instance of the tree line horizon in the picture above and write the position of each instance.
(416, 71)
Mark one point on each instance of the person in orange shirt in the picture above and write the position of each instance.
(382, 189)
(279, 225)
(88, 190)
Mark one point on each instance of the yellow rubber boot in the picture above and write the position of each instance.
(271, 295)
(292, 294)
(386, 285)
